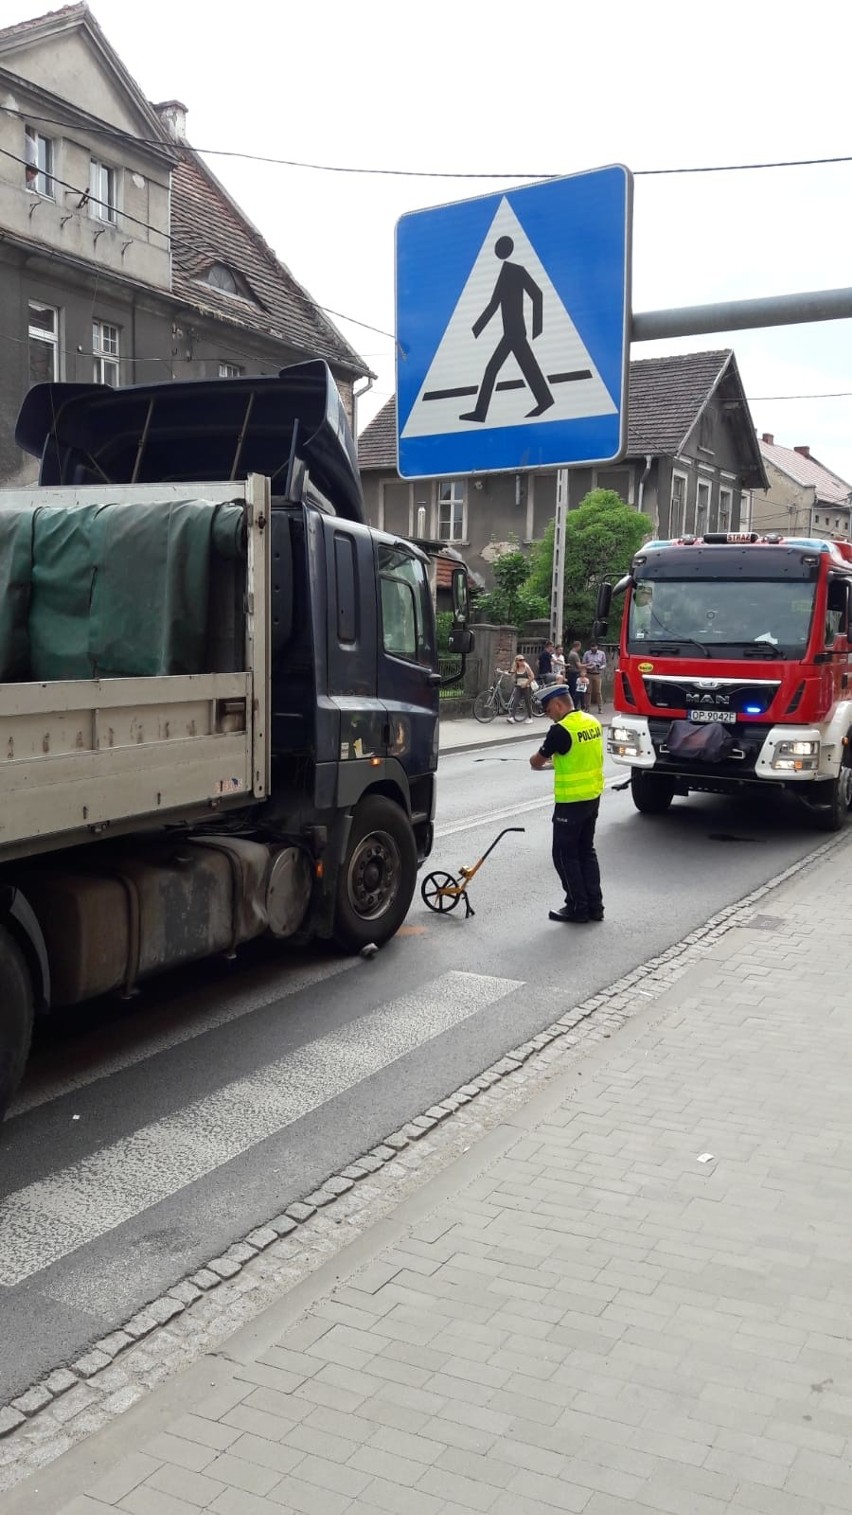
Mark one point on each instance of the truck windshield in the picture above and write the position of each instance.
(762, 614)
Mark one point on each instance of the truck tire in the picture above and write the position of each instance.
(652, 792)
(16, 1016)
(833, 813)
(377, 879)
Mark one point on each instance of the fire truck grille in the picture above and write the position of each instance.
(753, 699)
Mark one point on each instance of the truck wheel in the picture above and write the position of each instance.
(833, 814)
(377, 879)
(16, 1017)
(652, 792)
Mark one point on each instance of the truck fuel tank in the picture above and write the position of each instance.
(113, 920)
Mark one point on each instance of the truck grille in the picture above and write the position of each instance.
(688, 695)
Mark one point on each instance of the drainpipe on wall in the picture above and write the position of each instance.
(356, 396)
(649, 458)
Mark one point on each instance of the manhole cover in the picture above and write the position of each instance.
(765, 923)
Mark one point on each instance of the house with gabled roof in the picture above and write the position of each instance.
(122, 257)
(691, 463)
(804, 497)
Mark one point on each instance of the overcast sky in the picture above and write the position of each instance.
(533, 89)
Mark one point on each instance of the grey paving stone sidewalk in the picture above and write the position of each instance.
(643, 1303)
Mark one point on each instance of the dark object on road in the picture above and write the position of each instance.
(441, 892)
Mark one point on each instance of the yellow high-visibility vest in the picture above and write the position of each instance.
(578, 774)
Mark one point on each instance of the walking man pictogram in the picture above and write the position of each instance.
(513, 282)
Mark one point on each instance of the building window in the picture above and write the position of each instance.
(745, 510)
(102, 202)
(702, 506)
(105, 353)
(220, 277)
(39, 164)
(677, 513)
(230, 371)
(44, 343)
(451, 511)
(726, 499)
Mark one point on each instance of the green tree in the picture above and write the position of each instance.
(511, 601)
(601, 537)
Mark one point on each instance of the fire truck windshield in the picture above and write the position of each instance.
(772, 617)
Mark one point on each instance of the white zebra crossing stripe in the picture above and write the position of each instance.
(149, 1043)
(49, 1219)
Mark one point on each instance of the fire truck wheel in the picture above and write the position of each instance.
(377, 879)
(652, 793)
(16, 1016)
(833, 813)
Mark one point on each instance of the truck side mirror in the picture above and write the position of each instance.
(461, 597)
(460, 641)
(604, 601)
(599, 630)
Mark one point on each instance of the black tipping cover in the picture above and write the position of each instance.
(204, 429)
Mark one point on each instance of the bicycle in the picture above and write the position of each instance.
(494, 700)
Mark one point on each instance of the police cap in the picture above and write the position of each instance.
(551, 692)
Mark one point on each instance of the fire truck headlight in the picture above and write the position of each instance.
(798, 749)
(623, 742)
(796, 756)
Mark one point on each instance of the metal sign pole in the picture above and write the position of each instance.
(558, 583)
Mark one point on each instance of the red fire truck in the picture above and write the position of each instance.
(735, 670)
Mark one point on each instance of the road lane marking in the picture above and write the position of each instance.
(507, 814)
(494, 815)
(157, 1040)
(47, 1220)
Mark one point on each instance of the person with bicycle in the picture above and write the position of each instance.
(524, 678)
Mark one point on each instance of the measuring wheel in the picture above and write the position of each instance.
(433, 892)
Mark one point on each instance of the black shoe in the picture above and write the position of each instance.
(568, 917)
(596, 915)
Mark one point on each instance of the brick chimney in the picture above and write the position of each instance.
(768, 439)
(805, 451)
(173, 113)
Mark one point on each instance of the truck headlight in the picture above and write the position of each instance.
(623, 742)
(798, 749)
(797, 756)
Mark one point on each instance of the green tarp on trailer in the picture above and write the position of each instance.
(113, 590)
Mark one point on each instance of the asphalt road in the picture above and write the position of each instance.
(150, 1135)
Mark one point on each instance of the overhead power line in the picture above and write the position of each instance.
(831, 394)
(424, 173)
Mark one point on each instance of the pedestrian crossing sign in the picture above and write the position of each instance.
(513, 328)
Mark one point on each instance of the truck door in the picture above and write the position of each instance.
(837, 639)
(408, 681)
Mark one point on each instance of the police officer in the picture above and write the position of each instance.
(574, 745)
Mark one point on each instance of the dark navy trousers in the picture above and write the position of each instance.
(574, 856)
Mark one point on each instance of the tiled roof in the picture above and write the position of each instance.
(36, 23)
(207, 228)
(666, 397)
(377, 442)
(829, 488)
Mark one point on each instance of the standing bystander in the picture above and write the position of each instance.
(574, 671)
(594, 662)
(545, 664)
